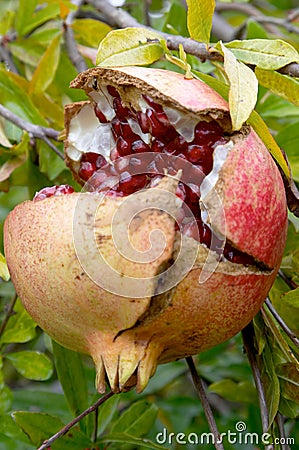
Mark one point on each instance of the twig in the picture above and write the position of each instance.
(291, 69)
(244, 8)
(5, 56)
(8, 314)
(205, 403)
(122, 19)
(46, 444)
(36, 131)
(248, 341)
(70, 42)
(281, 322)
(282, 435)
(287, 280)
(279, 22)
(95, 427)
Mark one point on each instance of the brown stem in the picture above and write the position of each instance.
(36, 131)
(5, 56)
(287, 280)
(71, 46)
(46, 444)
(248, 341)
(8, 314)
(280, 425)
(95, 427)
(205, 403)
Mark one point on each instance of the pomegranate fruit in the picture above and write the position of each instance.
(159, 147)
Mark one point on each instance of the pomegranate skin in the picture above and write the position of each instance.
(127, 337)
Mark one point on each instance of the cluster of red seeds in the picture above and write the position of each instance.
(167, 149)
(53, 191)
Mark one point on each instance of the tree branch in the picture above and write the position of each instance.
(9, 313)
(70, 42)
(121, 19)
(5, 56)
(46, 444)
(36, 131)
(205, 403)
(248, 340)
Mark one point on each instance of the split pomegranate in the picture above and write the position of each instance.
(155, 152)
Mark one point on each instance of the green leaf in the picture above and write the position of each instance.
(260, 333)
(175, 20)
(243, 391)
(33, 399)
(199, 19)
(9, 428)
(25, 12)
(90, 31)
(129, 46)
(45, 71)
(14, 95)
(288, 138)
(123, 438)
(264, 53)
(28, 20)
(137, 420)
(39, 427)
(283, 85)
(20, 327)
(288, 307)
(70, 372)
(32, 365)
(49, 163)
(243, 88)
(288, 408)
(7, 443)
(255, 30)
(6, 397)
(289, 377)
(18, 156)
(263, 132)
(4, 273)
(271, 383)
(282, 348)
(106, 412)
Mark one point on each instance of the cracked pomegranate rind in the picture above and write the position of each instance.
(224, 206)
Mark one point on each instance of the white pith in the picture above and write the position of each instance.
(87, 134)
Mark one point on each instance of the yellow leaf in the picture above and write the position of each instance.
(4, 273)
(129, 46)
(45, 71)
(243, 88)
(199, 19)
(263, 132)
(281, 85)
(64, 10)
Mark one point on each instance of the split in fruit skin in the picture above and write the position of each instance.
(163, 139)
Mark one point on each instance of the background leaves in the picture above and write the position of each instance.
(37, 65)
